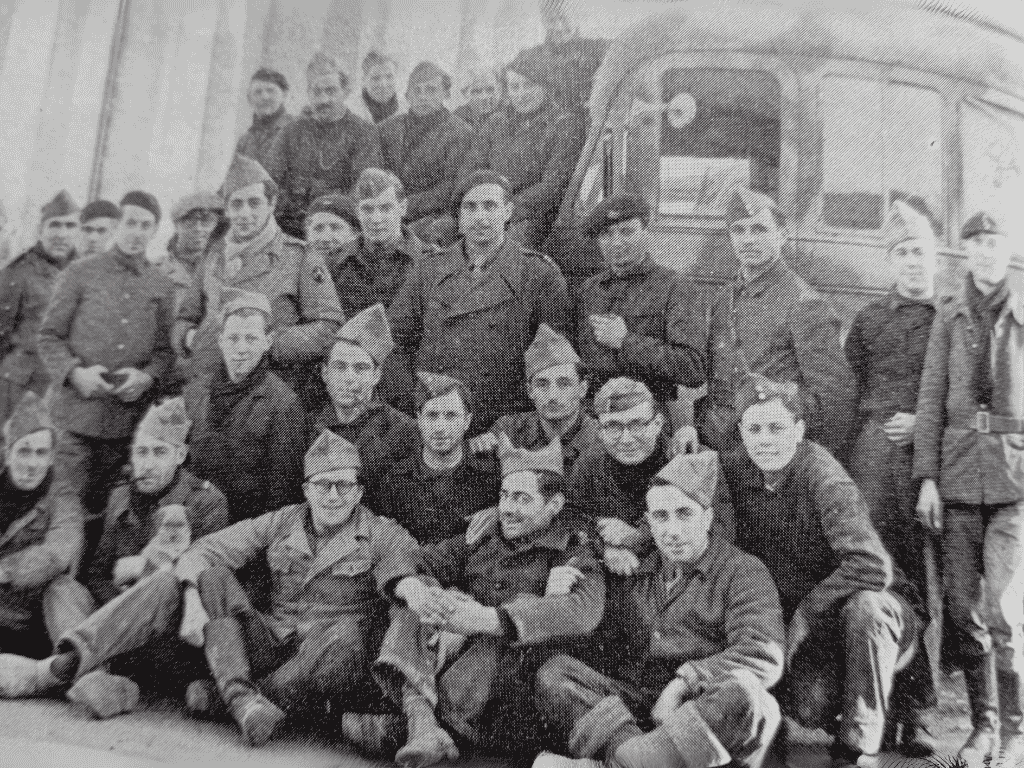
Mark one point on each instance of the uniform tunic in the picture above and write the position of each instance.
(477, 328)
(525, 430)
(663, 344)
(259, 137)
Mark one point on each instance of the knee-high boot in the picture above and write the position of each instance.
(980, 745)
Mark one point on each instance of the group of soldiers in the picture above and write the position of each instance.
(427, 498)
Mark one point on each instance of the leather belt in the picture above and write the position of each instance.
(986, 422)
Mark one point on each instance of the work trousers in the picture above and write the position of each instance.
(983, 575)
(32, 620)
(731, 719)
(846, 667)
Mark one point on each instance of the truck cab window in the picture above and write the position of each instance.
(992, 146)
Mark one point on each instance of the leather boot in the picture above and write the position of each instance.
(428, 743)
(21, 676)
(650, 750)
(980, 746)
(257, 716)
(1011, 718)
(377, 735)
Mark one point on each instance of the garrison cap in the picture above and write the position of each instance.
(906, 223)
(547, 459)
(340, 205)
(30, 415)
(167, 421)
(244, 172)
(99, 209)
(330, 452)
(371, 331)
(196, 201)
(621, 394)
(695, 474)
(745, 203)
(144, 200)
(62, 204)
(757, 388)
(426, 71)
(431, 385)
(235, 299)
(548, 348)
(981, 223)
(615, 209)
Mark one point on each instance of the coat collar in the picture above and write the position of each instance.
(751, 475)
(407, 249)
(500, 281)
(556, 537)
(639, 270)
(654, 564)
(895, 300)
(1014, 306)
(773, 275)
(338, 546)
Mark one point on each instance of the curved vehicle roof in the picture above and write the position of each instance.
(978, 41)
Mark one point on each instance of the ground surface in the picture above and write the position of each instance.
(53, 733)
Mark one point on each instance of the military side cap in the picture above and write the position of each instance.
(244, 172)
(621, 394)
(981, 223)
(745, 203)
(548, 348)
(99, 209)
(757, 388)
(695, 474)
(426, 71)
(62, 204)
(370, 330)
(906, 223)
(30, 415)
(547, 459)
(235, 299)
(341, 206)
(197, 201)
(616, 209)
(330, 452)
(431, 385)
(167, 421)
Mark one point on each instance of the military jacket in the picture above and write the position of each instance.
(477, 328)
(259, 138)
(470, 117)
(525, 430)
(112, 310)
(316, 579)
(569, 66)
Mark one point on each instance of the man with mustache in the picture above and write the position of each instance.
(249, 431)
(268, 90)
(769, 321)
(851, 624)
(324, 150)
(26, 285)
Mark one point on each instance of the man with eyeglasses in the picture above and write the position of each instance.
(334, 566)
(198, 221)
(607, 487)
(769, 321)
(249, 431)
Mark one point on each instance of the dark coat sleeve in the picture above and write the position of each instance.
(287, 449)
(162, 360)
(931, 402)
(192, 308)
(438, 198)
(55, 331)
(367, 153)
(551, 303)
(37, 565)
(100, 571)
(405, 314)
(857, 353)
(12, 288)
(540, 199)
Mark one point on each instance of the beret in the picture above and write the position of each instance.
(475, 179)
(531, 66)
(426, 71)
(196, 201)
(981, 223)
(615, 209)
(268, 75)
(341, 206)
(621, 394)
(99, 209)
(143, 200)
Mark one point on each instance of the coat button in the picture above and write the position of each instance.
(124, 321)
(120, 346)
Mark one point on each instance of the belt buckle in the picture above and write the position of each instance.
(983, 422)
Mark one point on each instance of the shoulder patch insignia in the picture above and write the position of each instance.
(318, 275)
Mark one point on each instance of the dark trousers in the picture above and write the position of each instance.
(86, 469)
(326, 669)
(31, 621)
(592, 714)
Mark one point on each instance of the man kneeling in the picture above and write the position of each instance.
(698, 635)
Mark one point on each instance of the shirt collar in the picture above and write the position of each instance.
(654, 563)
(897, 300)
(757, 286)
(640, 269)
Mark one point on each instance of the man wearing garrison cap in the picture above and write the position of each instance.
(249, 433)
(40, 542)
(969, 454)
(324, 150)
(255, 255)
(770, 321)
(267, 93)
(335, 565)
(106, 342)
(556, 384)
(498, 604)
(851, 619)
(26, 284)
(607, 485)
(886, 349)
(425, 146)
(471, 310)
(352, 373)
(97, 223)
(697, 680)
(434, 488)
(151, 518)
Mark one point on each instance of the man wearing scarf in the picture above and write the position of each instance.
(257, 256)
(248, 434)
(267, 92)
(969, 455)
(378, 98)
(25, 288)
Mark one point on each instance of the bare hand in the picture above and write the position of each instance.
(676, 692)
(929, 506)
(562, 579)
(481, 524)
(609, 330)
(900, 429)
(134, 385)
(194, 619)
(431, 604)
(617, 533)
(128, 570)
(620, 561)
(796, 633)
(89, 382)
(190, 338)
(685, 440)
(484, 443)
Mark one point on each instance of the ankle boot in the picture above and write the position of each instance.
(257, 716)
(21, 676)
(428, 742)
(1011, 718)
(980, 745)
(376, 735)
